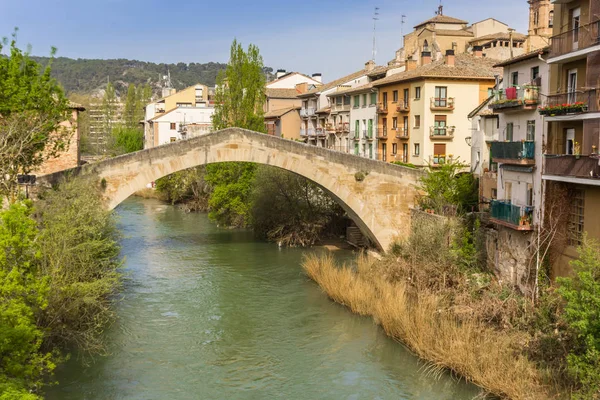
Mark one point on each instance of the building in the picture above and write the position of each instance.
(541, 22)
(321, 114)
(516, 155)
(100, 126)
(284, 122)
(289, 80)
(572, 111)
(70, 156)
(501, 45)
(166, 118)
(423, 111)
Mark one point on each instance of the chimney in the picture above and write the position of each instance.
(301, 87)
(280, 73)
(450, 58)
(478, 51)
(411, 64)
(317, 77)
(425, 57)
(370, 65)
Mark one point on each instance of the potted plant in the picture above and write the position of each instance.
(577, 150)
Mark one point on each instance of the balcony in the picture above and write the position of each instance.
(368, 135)
(516, 99)
(438, 159)
(575, 44)
(517, 153)
(382, 134)
(512, 216)
(441, 133)
(337, 108)
(355, 135)
(307, 112)
(403, 106)
(329, 127)
(571, 166)
(382, 108)
(442, 104)
(320, 132)
(571, 106)
(402, 133)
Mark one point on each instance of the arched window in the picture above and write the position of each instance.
(425, 45)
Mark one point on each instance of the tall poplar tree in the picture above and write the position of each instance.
(131, 103)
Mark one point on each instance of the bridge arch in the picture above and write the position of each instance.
(376, 195)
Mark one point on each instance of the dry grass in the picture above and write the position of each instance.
(421, 320)
(148, 193)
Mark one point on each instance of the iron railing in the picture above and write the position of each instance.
(442, 103)
(576, 39)
(505, 211)
(517, 151)
(441, 132)
(573, 165)
(515, 97)
(307, 112)
(589, 98)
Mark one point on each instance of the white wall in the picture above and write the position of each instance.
(364, 114)
(290, 82)
(485, 129)
(488, 26)
(186, 115)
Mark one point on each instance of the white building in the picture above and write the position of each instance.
(289, 80)
(181, 123)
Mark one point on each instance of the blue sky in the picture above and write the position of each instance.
(333, 37)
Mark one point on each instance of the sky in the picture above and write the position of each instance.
(334, 37)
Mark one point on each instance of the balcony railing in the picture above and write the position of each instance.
(511, 215)
(441, 132)
(340, 108)
(571, 103)
(442, 103)
(307, 112)
(368, 134)
(576, 39)
(403, 106)
(382, 134)
(402, 133)
(438, 159)
(525, 97)
(522, 153)
(355, 135)
(586, 167)
(382, 108)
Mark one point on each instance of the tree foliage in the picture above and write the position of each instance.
(581, 296)
(126, 140)
(239, 95)
(448, 190)
(32, 107)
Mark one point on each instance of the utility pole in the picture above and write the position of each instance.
(375, 19)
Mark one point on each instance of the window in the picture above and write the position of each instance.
(535, 72)
(417, 92)
(395, 96)
(370, 128)
(356, 128)
(384, 99)
(364, 127)
(364, 100)
(356, 101)
(173, 126)
(494, 193)
(417, 121)
(370, 150)
(395, 123)
(355, 148)
(373, 98)
(406, 94)
(530, 130)
(509, 132)
(405, 126)
(405, 152)
(385, 127)
(425, 46)
(394, 148)
(417, 149)
(346, 100)
(515, 79)
(172, 139)
(338, 101)
(551, 19)
(184, 104)
(384, 151)
(441, 96)
(439, 127)
(575, 227)
(529, 194)
(536, 18)
(439, 153)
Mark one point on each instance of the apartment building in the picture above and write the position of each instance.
(289, 80)
(166, 119)
(319, 123)
(516, 159)
(423, 111)
(572, 111)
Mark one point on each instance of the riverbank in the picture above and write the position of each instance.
(422, 321)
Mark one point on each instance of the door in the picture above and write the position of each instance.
(572, 86)
(441, 94)
(439, 153)
(356, 128)
(355, 148)
(439, 125)
(370, 129)
(370, 150)
(405, 152)
(385, 127)
(570, 143)
(575, 24)
(384, 151)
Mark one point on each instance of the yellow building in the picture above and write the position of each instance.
(572, 110)
(423, 111)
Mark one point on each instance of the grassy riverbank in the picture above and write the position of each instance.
(422, 321)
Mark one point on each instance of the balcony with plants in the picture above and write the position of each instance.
(571, 103)
(442, 104)
(517, 153)
(441, 132)
(516, 98)
(504, 213)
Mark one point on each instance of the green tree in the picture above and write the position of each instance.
(239, 95)
(581, 296)
(131, 103)
(23, 296)
(448, 189)
(32, 107)
(126, 140)
(109, 115)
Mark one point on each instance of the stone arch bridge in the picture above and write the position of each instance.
(376, 195)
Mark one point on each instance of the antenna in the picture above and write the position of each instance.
(375, 19)
(402, 22)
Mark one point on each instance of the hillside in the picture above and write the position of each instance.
(87, 76)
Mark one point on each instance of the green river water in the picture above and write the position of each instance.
(210, 313)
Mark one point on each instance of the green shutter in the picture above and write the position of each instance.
(356, 128)
(356, 148)
(373, 98)
(370, 128)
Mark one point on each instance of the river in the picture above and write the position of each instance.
(210, 313)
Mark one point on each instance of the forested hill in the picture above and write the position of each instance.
(87, 76)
